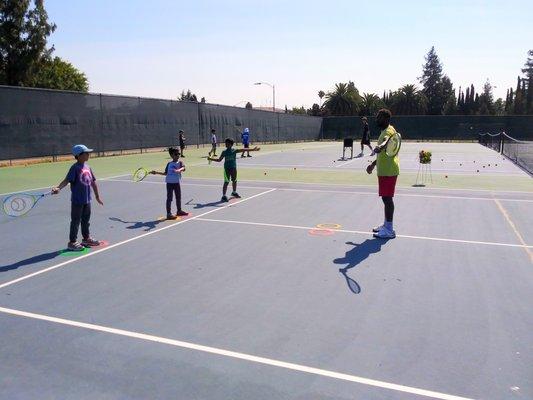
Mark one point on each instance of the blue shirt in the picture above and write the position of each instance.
(80, 177)
(170, 171)
(245, 137)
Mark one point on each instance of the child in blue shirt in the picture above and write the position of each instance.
(172, 174)
(81, 179)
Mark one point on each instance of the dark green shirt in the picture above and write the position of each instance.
(230, 158)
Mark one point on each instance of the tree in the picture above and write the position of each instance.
(187, 96)
(528, 71)
(248, 106)
(344, 100)
(408, 100)
(450, 107)
(518, 104)
(202, 100)
(431, 80)
(370, 104)
(61, 75)
(299, 110)
(486, 100)
(314, 110)
(499, 107)
(321, 95)
(23, 35)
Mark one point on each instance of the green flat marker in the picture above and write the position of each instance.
(70, 253)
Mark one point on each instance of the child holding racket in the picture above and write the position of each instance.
(81, 179)
(172, 174)
(230, 167)
(388, 169)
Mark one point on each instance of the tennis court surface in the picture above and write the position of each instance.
(283, 294)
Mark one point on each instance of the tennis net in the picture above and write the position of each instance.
(491, 141)
(518, 151)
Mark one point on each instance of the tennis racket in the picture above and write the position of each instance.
(394, 142)
(20, 204)
(140, 174)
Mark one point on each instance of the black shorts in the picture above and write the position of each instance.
(182, 146)
(230, 173)
(365, 140)
(246, 145)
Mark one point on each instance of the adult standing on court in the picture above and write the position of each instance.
(388, 169)
(213, 151)
(245, 136)
(182, 142)
(365, 139)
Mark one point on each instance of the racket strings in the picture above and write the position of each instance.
(140, 174)
(18, 204)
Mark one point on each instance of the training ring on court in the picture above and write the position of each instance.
(321, 232)
(329, 226)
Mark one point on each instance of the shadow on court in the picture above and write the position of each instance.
(212, 204)
(31, 260)
(354, 256)
(148, 225)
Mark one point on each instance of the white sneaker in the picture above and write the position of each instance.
(384, 233)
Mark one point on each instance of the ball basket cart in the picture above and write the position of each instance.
(424, 174)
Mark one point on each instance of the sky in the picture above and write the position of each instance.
(218, 49)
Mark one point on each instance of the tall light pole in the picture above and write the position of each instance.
(273, 93)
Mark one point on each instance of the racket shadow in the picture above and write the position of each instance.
(29, 261)
(354, 256)
(147, 225)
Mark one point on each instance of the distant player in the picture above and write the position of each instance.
(230, 167)
(213, 143)
(172, 175)
(245, 136)
(81, 179)
(182, 142)
(388, 171)
(365, 139)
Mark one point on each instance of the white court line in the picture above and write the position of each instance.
(189, 184)
(49, 186)
(236, 355)
(225, 221)
(92, 253)
(334, 191)
(375, 186)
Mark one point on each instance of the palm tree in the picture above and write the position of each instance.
(344, 100)
(408, 100)
(321, 94)
(371, 103)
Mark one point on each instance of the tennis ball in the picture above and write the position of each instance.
(483, 166)
(265, 173)
(478, 170)
(446, 176)
(460, 165)
(495, 165)
(295, 168)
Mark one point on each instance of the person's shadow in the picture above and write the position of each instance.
(354, 256)
(212, 204)
(148, 225)
(29, 261)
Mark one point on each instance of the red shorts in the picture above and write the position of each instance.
(387, 184)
